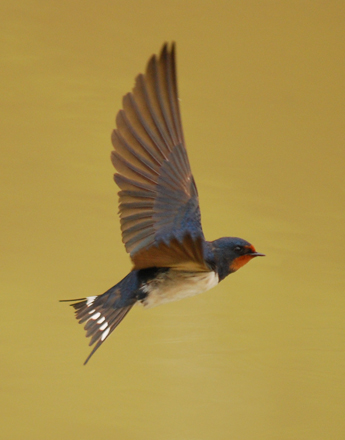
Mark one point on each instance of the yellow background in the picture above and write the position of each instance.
(262, 96)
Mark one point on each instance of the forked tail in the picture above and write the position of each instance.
(102, 314)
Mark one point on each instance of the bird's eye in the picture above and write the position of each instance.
(238, 249)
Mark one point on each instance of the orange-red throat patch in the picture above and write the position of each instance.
(240, 261)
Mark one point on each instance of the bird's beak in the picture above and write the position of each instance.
(257, 254)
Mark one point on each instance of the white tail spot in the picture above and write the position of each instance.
(92, 311)
(90, 300)
(96, 315)
(104, 326)
(101, 320)
(105, 334)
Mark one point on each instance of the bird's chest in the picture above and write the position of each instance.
(174, 285)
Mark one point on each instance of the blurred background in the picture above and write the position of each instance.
(260, 357)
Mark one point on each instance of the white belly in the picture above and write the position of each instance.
(175, 285)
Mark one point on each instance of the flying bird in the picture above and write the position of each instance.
(158, 208)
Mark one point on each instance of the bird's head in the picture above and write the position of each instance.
(231, 253)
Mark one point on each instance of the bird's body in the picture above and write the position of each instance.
(159, 209)
(173, 285)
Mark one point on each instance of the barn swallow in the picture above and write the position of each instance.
(158, 208)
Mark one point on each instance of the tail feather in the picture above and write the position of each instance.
(101, 316)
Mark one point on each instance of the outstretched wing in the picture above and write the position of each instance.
(158, 201)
